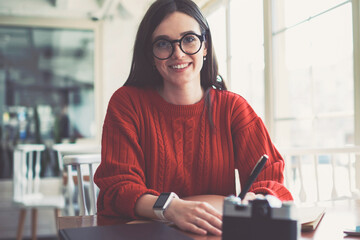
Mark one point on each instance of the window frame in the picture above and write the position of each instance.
(77, 24)
(356, 46)
(268, 68)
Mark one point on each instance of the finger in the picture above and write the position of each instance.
(209, 214)
(191, 227)
(210, 209)
(207, 226)
(213, 220)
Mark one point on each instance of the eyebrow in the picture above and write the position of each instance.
(168, 38)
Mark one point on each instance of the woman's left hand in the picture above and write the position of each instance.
(194, 216)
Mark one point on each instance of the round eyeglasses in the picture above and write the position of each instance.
(190, 44)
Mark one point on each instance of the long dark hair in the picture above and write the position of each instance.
(143, 72)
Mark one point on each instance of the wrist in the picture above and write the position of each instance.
(162, 203)
(171, 210)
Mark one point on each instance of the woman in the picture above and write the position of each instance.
(173, 127)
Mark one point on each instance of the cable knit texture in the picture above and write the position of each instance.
(152, 146)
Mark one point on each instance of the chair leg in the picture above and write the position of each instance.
(57, 214)
(34, 214)
(20, 229)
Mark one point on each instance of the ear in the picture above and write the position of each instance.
(205, 48)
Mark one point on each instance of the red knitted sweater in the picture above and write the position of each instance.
(151, 146)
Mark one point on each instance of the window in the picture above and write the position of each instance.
(49, 87)
(313, 73)
(243, 68)
(47, 79)
(312, 67)
(309, 91)
(49, 71)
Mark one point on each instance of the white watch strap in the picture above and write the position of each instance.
(160, 214)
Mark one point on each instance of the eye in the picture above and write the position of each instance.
(189, 38)
(162, 44)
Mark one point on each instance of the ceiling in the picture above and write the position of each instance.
(81, 9)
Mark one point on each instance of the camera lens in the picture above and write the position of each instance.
(261, 211)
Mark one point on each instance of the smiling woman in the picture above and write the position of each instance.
(173, 135)
(180, 70)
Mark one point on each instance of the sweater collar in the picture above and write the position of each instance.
(191, 109)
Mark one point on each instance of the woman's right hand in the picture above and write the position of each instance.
(194, 216)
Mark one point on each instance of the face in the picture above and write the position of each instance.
(180, 69)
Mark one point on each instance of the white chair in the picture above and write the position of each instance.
(27, 186)
(320, 174)
(62, 150)
(82, 160)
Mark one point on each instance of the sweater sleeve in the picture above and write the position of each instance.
(251, 141)
(120, 176)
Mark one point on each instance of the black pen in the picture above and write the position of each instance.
(255, 172)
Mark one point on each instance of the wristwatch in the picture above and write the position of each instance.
(162, 203)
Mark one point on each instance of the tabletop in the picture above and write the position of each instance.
(339, 215)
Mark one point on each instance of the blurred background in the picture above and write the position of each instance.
(297, 62)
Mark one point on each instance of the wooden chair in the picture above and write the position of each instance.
(81, 161)
(26, 186)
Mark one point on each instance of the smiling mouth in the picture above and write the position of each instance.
(180, 66)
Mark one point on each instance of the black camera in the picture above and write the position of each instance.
(260, 219)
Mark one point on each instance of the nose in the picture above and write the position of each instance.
(178, 53)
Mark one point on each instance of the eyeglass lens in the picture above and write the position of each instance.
(189, 44)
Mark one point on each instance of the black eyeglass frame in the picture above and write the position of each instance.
(201, 38)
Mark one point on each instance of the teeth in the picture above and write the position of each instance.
(180, 66)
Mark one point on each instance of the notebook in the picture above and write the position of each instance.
(154, 230)
(310, 217)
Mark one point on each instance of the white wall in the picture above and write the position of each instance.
(119, 37)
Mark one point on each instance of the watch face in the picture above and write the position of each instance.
(160, 202)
